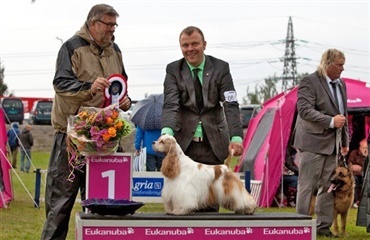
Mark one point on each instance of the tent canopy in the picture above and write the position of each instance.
(269, 135)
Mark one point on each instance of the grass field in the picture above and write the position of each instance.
(22, 221)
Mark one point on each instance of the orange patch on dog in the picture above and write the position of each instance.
(211, 196)
(171, 164)
(218, 172)
(228, 182)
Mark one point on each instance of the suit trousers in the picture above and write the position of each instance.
(202, 152)
(315, 171)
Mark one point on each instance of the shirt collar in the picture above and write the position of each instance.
(328, 80)
(201, 65)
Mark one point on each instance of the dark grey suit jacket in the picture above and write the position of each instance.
(316, 107)
(180, 111)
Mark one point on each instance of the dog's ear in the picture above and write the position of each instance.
(171, 163)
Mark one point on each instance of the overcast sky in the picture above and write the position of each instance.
(247, 34)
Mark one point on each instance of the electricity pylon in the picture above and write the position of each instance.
(290, 66)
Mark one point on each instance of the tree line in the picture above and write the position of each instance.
(266, 89)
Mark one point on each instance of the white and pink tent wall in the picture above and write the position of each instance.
(5, 183)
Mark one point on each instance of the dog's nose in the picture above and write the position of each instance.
(153, 142)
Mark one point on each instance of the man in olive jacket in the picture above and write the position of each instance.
(83, 66)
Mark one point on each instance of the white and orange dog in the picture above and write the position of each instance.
(189, 185)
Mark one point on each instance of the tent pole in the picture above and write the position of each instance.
(282, 155)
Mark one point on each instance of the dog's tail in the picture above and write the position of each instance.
(229, 158)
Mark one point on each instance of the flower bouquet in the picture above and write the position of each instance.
(95, 131)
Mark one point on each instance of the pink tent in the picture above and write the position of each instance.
(5, 184)
(268, 135)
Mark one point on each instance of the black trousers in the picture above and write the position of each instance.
(202, 152)
(60, 193)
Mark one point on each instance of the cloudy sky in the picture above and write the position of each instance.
(248, 34)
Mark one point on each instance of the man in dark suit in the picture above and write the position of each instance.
(200, 104)
(321, 133)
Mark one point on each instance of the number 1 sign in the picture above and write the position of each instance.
(109, 176)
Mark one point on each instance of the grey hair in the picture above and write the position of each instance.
(329, 57)
(98, 11)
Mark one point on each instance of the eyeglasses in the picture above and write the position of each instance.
(109, 25)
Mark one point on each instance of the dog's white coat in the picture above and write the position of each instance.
(189, 185)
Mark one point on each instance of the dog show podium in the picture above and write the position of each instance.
(111, 177)
(205, 226)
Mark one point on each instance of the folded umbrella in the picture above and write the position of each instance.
(147, 113)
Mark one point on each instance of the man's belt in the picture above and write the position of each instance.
(198, 139)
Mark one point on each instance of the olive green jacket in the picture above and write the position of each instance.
(80, 61)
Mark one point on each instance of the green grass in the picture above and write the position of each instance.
(22, 221)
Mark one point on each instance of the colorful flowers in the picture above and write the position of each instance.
(95, 131)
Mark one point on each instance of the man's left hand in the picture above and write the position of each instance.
(344, 150)
(237, 147)
(125, 103)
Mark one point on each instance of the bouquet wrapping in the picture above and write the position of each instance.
(95, 131)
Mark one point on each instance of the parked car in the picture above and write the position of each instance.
(247, 112)
(40, 113)
(13, 109)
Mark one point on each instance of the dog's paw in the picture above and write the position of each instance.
(245, 211)
(181, 211)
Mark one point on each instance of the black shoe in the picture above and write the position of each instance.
(325, 233)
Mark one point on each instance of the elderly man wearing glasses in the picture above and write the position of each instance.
(84, 62)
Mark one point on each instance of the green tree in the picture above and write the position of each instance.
(262, 91)
(266, 89)
(3, 86)
(252, 97)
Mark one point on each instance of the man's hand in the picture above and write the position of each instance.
(237, 147)
(137, 153)
(125, 103)
(344, 150)
(99, 85)
(339, 121)
(357, 169)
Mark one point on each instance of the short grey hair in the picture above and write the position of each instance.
(99, 10)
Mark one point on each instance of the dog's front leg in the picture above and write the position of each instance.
(181, 211)
(343, 222)
(335, 223)
(168, 207)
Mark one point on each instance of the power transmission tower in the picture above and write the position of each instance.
(290, 66)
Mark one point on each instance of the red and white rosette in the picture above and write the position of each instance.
(117, 89)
